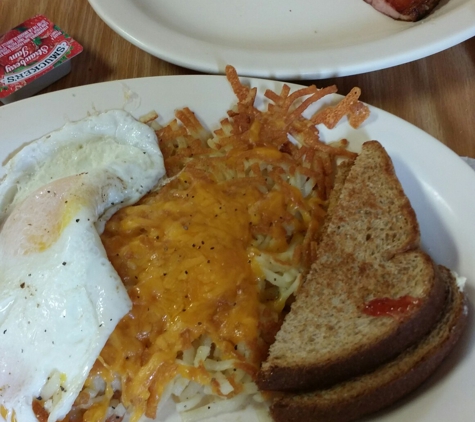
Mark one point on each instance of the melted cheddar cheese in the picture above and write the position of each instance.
(186, 255)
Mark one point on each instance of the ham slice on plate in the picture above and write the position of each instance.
(406, 10)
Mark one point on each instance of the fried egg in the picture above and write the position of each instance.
(60, 298)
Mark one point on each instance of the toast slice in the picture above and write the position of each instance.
(371, 392)
(368, 261)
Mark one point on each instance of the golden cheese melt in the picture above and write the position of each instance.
(186, 254)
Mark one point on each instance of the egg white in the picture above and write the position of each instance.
(60, 298)
(114, 140)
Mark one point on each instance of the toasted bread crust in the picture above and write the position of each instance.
(355, 398)
(363, 359)
(370, 250)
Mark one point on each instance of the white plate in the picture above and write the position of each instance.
(440, 185)
(284, 39)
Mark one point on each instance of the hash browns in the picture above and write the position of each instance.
(264, 192)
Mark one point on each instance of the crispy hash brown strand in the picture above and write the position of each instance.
(211, 259)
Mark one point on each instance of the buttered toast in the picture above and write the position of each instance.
(349, 400)
(368, 258)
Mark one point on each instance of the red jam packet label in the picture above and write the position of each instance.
(30, 50)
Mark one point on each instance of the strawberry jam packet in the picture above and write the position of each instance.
(33, 55)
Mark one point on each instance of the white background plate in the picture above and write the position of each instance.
(284, 39)
(439, 184)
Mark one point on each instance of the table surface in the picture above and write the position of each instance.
(434, 93)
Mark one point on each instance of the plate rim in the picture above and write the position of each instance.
(451, 29)
(465, 355)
